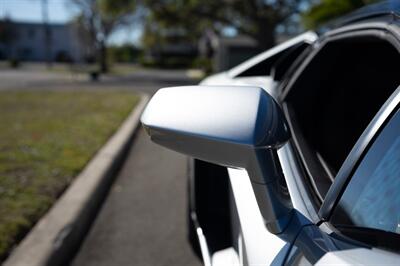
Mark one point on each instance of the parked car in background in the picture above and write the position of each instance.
(302, 165)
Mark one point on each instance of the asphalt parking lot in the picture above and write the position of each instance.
(143, 220)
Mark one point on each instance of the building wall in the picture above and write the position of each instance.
(232, 51)
(29, 42)
(229, 56)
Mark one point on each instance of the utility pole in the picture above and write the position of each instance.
(47, 33)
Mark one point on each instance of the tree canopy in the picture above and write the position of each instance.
(98, 19)
(254, 18)
(326, 10)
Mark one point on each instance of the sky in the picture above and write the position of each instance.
(60, 11)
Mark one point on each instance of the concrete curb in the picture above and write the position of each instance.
(55, 239)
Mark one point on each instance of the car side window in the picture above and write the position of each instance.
(331, 101)
(277, 64)
(371, 200)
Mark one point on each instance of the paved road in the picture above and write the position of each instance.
(28, 79)
(144, 80)
(143, 220)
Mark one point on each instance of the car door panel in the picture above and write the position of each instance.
(257, 246)
(359, 256)
(314, 242)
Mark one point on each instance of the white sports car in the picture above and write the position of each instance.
(297, 151)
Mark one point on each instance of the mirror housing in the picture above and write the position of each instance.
(233, 126)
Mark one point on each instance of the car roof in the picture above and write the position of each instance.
(377, 11)
(308, 37)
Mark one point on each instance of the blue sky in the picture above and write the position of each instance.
(60, 11)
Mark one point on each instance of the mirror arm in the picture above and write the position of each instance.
(270, 189)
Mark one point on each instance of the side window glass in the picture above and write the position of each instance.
(284, 63)
(333, 99)
(263, 68)
(277, 64)
(372, 197)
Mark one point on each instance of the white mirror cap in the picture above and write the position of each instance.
(200, 119)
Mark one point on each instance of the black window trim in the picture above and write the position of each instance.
(379, 30)
(392, 35)
(357, 154)
(304, 154)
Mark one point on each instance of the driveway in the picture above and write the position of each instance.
(143, 220)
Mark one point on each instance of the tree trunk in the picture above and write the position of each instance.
(103, 58)
(47, 33)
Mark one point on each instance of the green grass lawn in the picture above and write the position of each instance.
(46, 139)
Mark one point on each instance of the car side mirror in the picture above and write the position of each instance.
(233, 126)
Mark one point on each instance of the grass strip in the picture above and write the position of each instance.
(46, 139)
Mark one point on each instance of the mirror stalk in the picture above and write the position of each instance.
(270, 189)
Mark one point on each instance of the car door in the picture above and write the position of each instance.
(360, 217)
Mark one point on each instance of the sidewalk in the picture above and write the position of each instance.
(143, 221)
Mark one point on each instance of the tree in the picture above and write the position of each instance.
(47, 31)
(326, 10)
(256, 18)
(7, 36)
(6, 31)
(100, 18)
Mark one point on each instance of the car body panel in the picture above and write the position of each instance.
(380, 9)
(307, 37)
(267, 83)
(301, 197)
(299, 193)
(359, 256)
(315, 241)
(254, 237)
(232, 76)
(225, 257)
